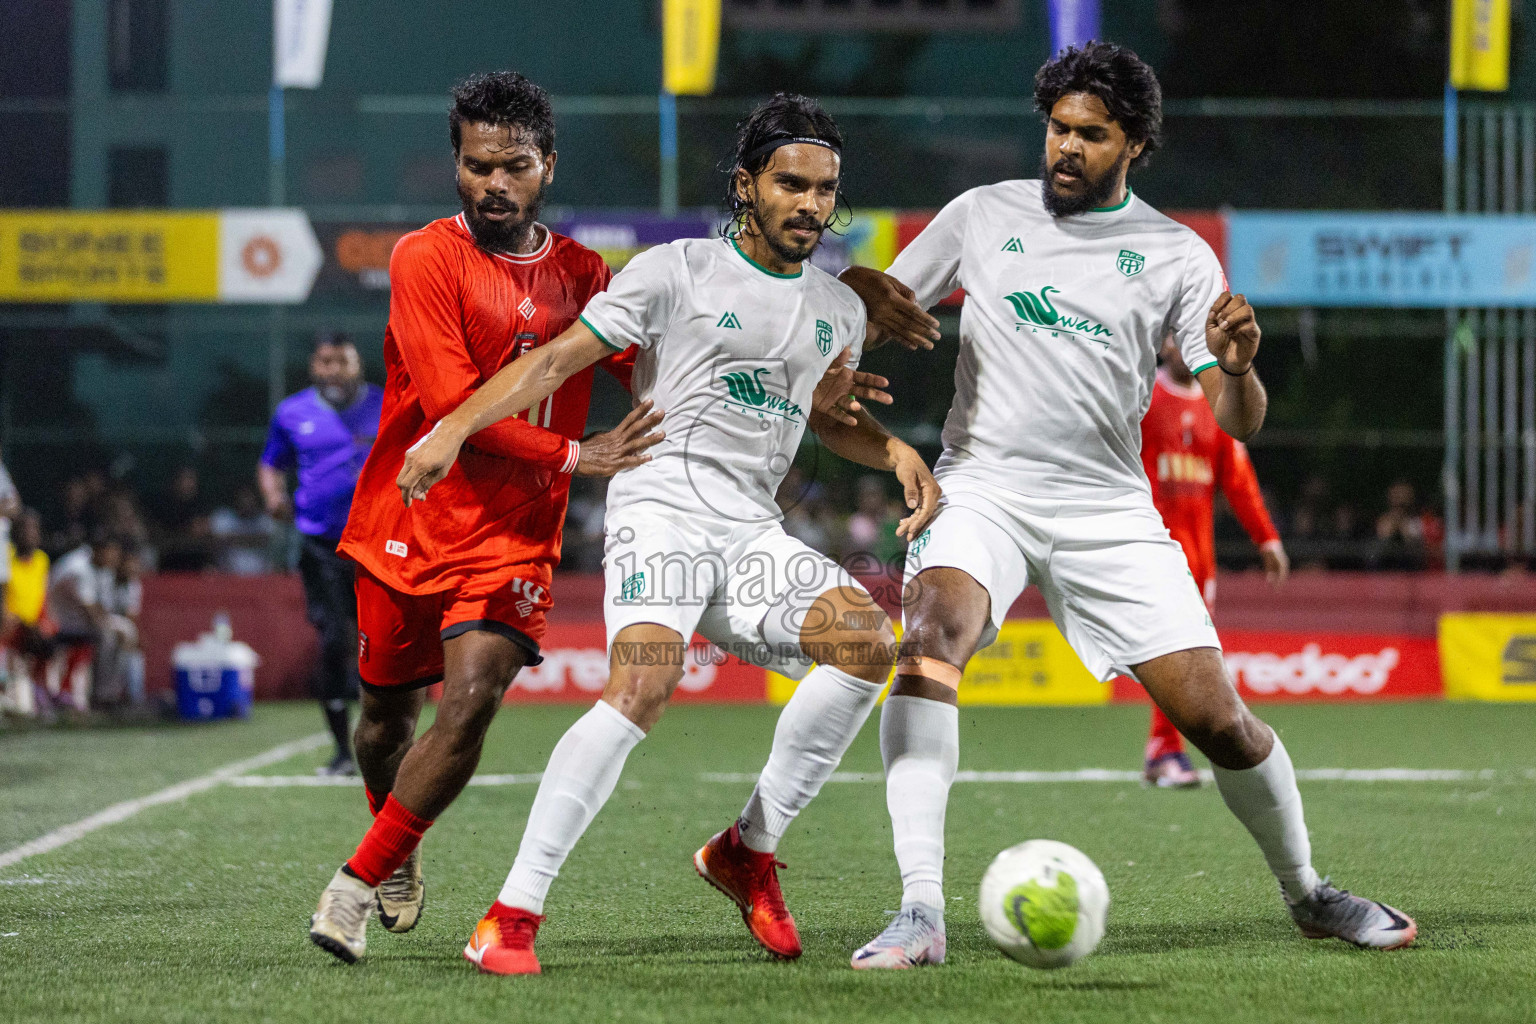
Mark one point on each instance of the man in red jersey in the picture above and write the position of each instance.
(1186, 457)
(456, 590)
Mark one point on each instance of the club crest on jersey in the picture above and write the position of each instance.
(823, 337)
(1036, 311)
(1130, 263)
(747, 394)
(633, 587)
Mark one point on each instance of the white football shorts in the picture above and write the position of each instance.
(748, 588)
(1116, 584)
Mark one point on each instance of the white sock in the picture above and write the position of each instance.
(582, 771)
(920, 744)
(1267, 802)
(814, 731)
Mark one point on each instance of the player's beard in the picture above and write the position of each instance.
(500, 236)
(783, 248)
(1095, 195)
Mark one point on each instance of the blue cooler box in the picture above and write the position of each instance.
(214, 679)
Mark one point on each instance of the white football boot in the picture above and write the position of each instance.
(340, 923)
(914, 937)
(402, 895)
(1330, 913)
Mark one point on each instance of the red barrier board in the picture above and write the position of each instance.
(575, 668)
(1275, 666)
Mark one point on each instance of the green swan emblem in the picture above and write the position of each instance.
(745, 387)
(1035, 308)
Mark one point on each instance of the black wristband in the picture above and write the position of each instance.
(1229, 373)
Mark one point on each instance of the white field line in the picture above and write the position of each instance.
(236, 774)
(1112, 775)
(1042, 777)
(309, 781)
(128, 808)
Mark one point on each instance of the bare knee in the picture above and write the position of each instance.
(1233, 738)
(388, 722)
(865, 653)
(469, 706)
(639, 693)
(946, 611)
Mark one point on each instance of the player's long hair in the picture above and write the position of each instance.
(786, 116)
(1121, 80)
(505, 99)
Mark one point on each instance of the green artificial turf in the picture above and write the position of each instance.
(197, 911)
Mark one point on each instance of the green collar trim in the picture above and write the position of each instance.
(1122, 204)
(783, 277)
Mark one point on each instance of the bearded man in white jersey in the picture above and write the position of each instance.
(1071, 283)
(736, 336)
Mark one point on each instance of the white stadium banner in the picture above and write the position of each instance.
(266, 255)
(300, 31)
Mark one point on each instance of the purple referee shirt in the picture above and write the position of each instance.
(327, 446)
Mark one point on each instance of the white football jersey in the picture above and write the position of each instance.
(1059, 334)
(731, 353)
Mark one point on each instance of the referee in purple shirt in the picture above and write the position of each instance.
(324, 433)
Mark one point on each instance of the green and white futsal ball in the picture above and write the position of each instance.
(1044, 903)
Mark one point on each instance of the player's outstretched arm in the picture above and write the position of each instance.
(1232, 386)
(868, 443)
(892, 310)
(521, 384)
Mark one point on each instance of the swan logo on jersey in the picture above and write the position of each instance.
(823, 337)
(1130, 263)
(1037, 310)
(749, 395)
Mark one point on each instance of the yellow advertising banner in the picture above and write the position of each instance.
(690, 46)
(1488, 657)
(1031, 663)
(871, 238)
(109, 256)
(1480, 45)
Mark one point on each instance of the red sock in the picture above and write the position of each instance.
(1163, 739)
(375, 802)
(394, 834)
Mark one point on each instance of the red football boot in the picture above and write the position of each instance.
(751, 880)
(503, 941)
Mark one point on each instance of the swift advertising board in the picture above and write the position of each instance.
(1382, 259)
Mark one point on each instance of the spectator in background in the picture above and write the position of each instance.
(581, 549)
(10, 505)
(120, 516)
(324, 433)
(872, 527)
(75, 593)
(27, 590)
(120, 658)
(243, 535)
(180, 525)
(804, 507)
(23, 630)
(1405, 533)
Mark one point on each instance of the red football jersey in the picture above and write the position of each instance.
(1186, 457)
(457, 314)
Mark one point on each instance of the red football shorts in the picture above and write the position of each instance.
(400, 636)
